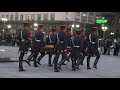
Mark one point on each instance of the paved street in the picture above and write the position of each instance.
(108, 67)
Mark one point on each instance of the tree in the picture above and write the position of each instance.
(116, 35)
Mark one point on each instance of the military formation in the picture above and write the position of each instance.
(72, 48)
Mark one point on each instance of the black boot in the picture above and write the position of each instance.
(56, 68)
(49, 61)
(95, 66)
(28, 62)
(88, 63)
(88, 68)
(20, 63)
(35, 64)
(21, 69)
(38, 62)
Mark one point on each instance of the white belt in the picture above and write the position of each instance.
(76, 46)
(37, 40)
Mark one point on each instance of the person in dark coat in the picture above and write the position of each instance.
(116, 49)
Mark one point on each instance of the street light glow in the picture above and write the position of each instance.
(4, 19)
(9, 26)
(84, 15)
(77, 26)
(73, 26)
(104, 28)
(35, 24)
(111, 33)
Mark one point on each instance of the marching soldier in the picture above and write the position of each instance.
(24, 37)
(69, 47)
(93, 47)
(61, 46)
(84, 42)
(37, 43)
(51, 40)
(76, 50)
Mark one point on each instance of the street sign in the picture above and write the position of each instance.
(101, 21)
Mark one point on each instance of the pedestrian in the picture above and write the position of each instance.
(116, 48)
(108, 44)
(0, 39)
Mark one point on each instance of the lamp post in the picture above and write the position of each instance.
(84, 15)
(4, 20)
(74, 26)
(72, 29)
(9, 26)
(35, 26)
(104, 28)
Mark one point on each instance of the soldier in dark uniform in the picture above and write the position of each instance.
(24, 37)
(84, 43)
(93, 47)
(61, 46)
(69, 47)
(51, 40)
(76, 49)
(37, 43)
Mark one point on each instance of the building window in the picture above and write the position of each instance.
(7, 16)
(45, 17)
(52, 16)
(77, 20)
(11, 17)
(27, 16)
(2, 16)
(16, 17)
(21, 17)
(32, 16)
(77, 13)
(91, 13)
(38, 17)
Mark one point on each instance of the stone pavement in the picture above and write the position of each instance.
(108, 67)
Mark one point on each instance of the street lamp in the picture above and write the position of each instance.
(35, 24)
(4, 20)
(77, 26)
(84, 15)
(104, 28)
(111, 33)
(9, 26)
(73, 26)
